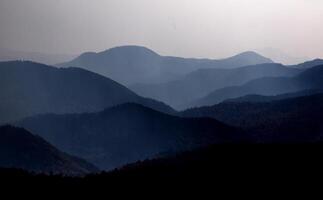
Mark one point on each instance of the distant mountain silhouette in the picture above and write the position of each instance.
(259, 98)
(201, 82)
(128, 133)
(50, 59)
(311, 79)
(244, 59)
(310, 64)
(290, 120)
(29, 88)
(133, 64)
(20, 149)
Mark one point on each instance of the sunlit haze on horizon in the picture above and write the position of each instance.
(188, 28)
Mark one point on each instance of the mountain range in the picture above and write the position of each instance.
(202, 82)
(128, 133)
(311, 79)
(29, 89)
(133, 64)
(81, 108)
(22, 150)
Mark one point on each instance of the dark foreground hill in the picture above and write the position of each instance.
(128, 133)
(209, 170)
(20, 149)
(132, 64)
(294, 120)
(226, 162)
(27, 89)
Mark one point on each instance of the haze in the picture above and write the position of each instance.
(189, 28)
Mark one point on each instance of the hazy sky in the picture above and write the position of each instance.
(190, 28)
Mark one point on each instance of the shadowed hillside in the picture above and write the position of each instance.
(292, 120)
(128, 133)
(20, 149)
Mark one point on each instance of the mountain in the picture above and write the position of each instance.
(259, 98)
(309, 64)
(289, 120)
(128, 133)
(133, 64)
(49, 59)
(29, 88)
(199, 83)
(21, 149)
(243, 59)
(311, 79)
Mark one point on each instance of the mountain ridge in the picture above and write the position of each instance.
(201, 82)
(136, 64)
(311, 79)
(291, 120)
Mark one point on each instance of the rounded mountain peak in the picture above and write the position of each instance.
(252, 56)
(130, 50)
(249, 53)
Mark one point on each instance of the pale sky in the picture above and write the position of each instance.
(189, 28)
